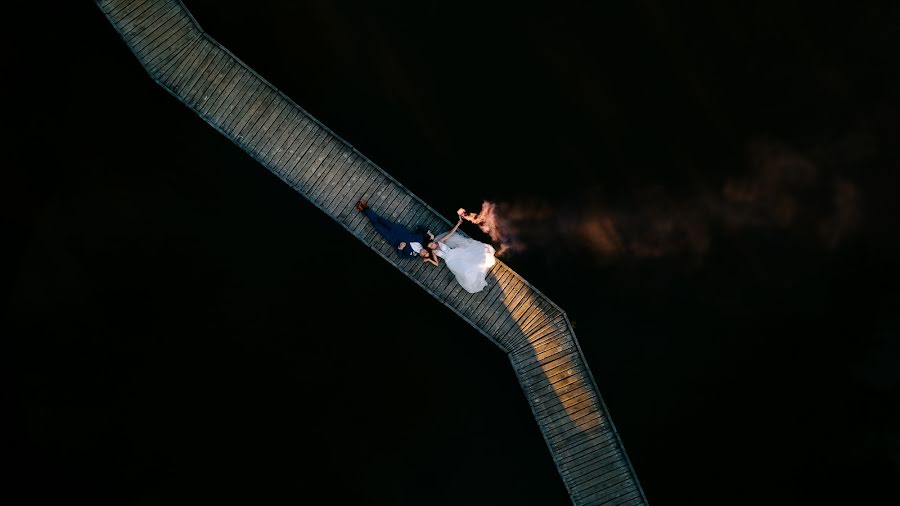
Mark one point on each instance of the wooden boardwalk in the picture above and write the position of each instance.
(528, 327)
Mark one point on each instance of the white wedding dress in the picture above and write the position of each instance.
(469, 260)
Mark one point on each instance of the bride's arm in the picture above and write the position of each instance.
(431, 260)
(451, 232)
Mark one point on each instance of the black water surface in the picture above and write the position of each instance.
(184, 328)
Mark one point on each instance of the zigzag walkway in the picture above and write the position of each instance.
(534, 332)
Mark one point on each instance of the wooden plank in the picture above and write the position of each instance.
(173, 47)
(230, 108)
(509, 325)
(494, 307)
(296, 140)
(552, 391)
(632, 498)
(609, 486)
(546, 315)
(167, 70)
(606, 486)
(325, 187)
(521, 316)
(510, 288)
(299, 128)
(125, 24)
(537, 311)
(269, 112)
(176, 28)
(124, 8)
(117, 9)
(258, 137)
(550, 364)
(553, 387)
(581, 469)
(600, 476)
(398, 205)
(539, 380)
(201, 73)
(251, 88)
(339, 156)
(314, 163)
(551, 339)
(140, 40)
(539, 352)
(568, 360)
(599, 444)
(279, 133)
(203, 96)
(358, 222)
(334, 185)
(602, 480)
(503, 279)
(551, 398)
(342, 201)
(309, 144)
(382, 196)
(550, 334)
(552, 331)
(473, 304)
(301, 163)
(377, 202)
(139, 22)
(566, 432)
(245, 128)
(321, 163)
(577, 401)
(592, 468)
(211, 98)
(491, 293)
(560, 396)
(577, 405)
(263, 101)
(360, 190)
(193, 93)
(526, 306)
(189, 71)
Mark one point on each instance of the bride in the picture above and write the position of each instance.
(469, 260)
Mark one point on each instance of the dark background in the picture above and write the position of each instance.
(183, 327)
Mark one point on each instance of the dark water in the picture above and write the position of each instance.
(185, 328)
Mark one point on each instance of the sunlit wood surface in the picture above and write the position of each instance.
(534, 332)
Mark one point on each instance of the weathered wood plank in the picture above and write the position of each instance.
(140, 38)
(176, 27)
(279, 133)
(141, 21)
(251, 89)
(192, 93)
(189, 72)
(177, 42)
(125, 24)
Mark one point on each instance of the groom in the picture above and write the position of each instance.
(408, 244)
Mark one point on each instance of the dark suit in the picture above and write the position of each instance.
(395, 233)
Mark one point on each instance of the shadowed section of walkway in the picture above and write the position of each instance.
(534, 332)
